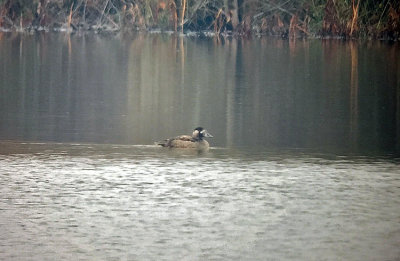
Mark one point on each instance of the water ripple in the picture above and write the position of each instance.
(104, 203)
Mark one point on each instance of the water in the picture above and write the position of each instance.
(106, 202)
(329, 95)
(304, 164)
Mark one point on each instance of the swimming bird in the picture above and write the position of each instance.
(196, 141)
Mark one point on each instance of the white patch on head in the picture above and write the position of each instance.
(195, 133)
(203, 132)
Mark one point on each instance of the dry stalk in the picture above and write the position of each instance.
(355, 16)
(102, 12)
(84, 12)
(304, 30)
(172, 7)
(183, 13)
(218, 22)
(70, 17)
(293, 26)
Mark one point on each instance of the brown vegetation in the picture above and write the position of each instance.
(297, 18)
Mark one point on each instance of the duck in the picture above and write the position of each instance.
(195, 141)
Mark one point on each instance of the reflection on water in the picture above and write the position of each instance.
(113, 202)
(258, 92)
(79, 179)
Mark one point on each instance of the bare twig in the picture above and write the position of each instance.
(384, 9)
(102, 13)
(199, 5)
(8, 20)
(303, 30)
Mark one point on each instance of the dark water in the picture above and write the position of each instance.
(304, 163)
(260, 92)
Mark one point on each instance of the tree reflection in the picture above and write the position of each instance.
(248, 92)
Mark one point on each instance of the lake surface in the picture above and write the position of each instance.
(304, 163)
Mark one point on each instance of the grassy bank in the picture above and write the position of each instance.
(293, 18)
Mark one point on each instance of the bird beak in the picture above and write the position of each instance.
(207, 134)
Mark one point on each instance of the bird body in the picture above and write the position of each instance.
(196, 141)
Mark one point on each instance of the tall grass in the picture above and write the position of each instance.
(294, 18)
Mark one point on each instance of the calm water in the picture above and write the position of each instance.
(304, 164)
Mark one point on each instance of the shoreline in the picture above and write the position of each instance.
(188, 33)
